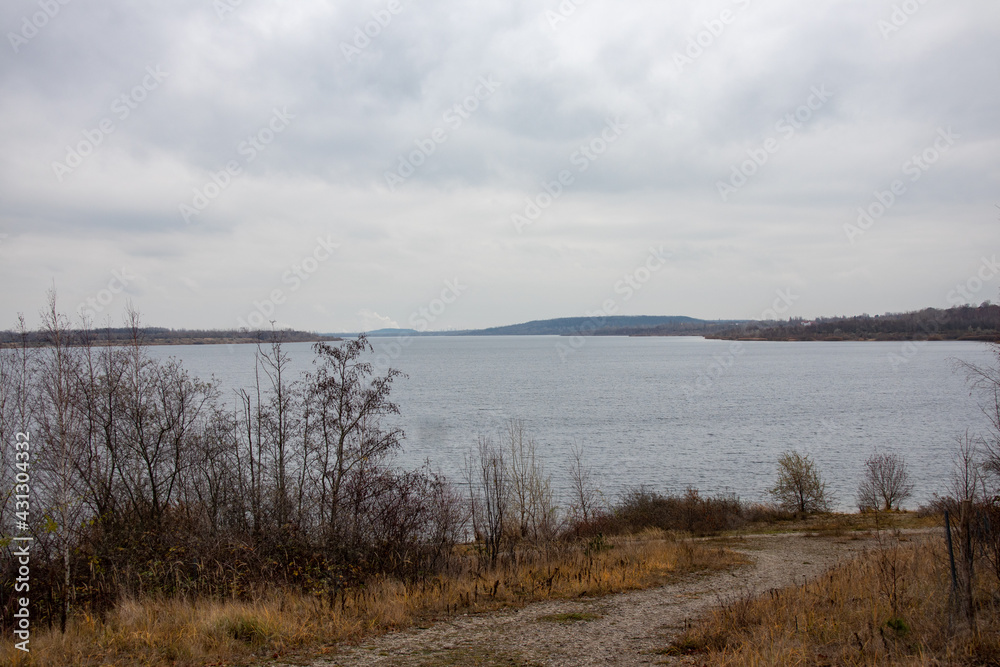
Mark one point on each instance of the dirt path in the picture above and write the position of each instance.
(624, 629)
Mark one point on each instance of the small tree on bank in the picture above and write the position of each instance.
(885, 484)
(799, 487)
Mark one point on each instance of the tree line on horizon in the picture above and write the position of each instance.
(977, 323)
(980, 323)
(158, 336)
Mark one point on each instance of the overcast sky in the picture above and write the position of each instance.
(340, 166)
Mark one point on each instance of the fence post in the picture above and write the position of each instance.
(951, 557)
(968, 559)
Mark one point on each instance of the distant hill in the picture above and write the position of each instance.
(617, 325)
(961, 323)
(379, 333)
(620, 325)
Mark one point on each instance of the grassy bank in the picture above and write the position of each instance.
(832, 524)
(890, 607)
(198, 632)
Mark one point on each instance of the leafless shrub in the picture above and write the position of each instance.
(489, 496)
(530, 488)
(641, 508)
(799, 486)
(967, 470)
(885, 483)
(586, 496)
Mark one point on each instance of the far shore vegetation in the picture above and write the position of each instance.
(160, 336)
(965, 323)
(970, 323)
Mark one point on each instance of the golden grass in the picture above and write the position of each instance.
(889, 607)
(844, 524)
(154, 632)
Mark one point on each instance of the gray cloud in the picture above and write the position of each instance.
(689, 123)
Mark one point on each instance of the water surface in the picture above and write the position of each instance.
(670, 412)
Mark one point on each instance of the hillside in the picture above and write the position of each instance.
(620, 325)
(597, 326)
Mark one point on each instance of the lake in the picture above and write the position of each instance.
(669, 412)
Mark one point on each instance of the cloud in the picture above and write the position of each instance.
(203, 134)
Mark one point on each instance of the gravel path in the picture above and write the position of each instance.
(624, 629)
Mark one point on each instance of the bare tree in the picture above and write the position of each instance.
(885, 483)
(212, 484)
(977, 473)
(531, 492)
(967, 472)
(61, 430)
(799, 486)
(966, 489)
(489, 495)
(281, 424)
(585, 494)
(101, 372)
(349, 403)
(162, 407)
(985, 380)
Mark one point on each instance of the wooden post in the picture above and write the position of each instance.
(970, 608)
(951, 558)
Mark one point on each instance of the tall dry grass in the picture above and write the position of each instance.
(199, 631)
(889, 607)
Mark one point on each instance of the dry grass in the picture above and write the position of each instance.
(842, 524)
(890, 607)
(179, 632)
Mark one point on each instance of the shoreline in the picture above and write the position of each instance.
(174, 342)
(981, 338)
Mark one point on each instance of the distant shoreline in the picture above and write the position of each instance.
(885, 338)
(100, 339)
